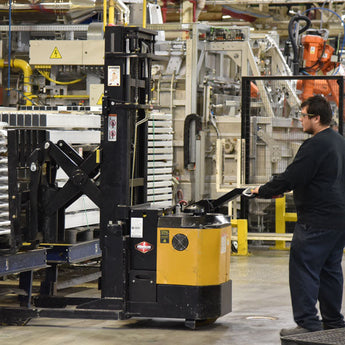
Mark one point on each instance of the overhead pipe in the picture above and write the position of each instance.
(123, 8)
(200, 5)
(109, 13)
(27, 73)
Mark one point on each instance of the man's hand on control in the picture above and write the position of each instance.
(255, 190)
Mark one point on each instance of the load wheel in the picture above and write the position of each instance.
(195, 324)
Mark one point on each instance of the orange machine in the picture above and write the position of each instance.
(317, 58)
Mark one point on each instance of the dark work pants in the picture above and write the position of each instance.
(315, 273)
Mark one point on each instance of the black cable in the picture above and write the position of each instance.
(292, 35)
(186, 133)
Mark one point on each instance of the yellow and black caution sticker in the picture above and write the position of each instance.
(164, 236)
(55, 54)
(99, 102)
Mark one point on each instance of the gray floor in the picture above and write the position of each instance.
(261, 307)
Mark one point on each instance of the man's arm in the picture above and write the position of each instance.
(299, 172)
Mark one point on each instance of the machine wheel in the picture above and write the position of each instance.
(195, 324)
(234, 246)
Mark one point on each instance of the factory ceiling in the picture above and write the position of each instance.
(263, 15)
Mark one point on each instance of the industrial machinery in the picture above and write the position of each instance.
(43, 84)
(199, 73)
(148, 245)
(199, 135)
(312, 55)
(156, 262)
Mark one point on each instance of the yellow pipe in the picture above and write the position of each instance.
(27, 72)
(144, 14)
(104, 14)
(111, 12)
(69, 96)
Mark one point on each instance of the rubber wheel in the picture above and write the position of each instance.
(195, 324)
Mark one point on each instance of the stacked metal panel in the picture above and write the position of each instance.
(5, 224)
(77, 128)
(160, 159)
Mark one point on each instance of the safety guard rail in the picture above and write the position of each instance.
(280, 236)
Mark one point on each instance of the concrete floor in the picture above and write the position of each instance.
(261, 307)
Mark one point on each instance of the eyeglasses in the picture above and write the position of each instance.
(304, 114)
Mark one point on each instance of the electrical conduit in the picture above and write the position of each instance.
(27, 72)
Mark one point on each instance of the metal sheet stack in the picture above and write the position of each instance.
(80, 129)
(160, 159)
(5, 224)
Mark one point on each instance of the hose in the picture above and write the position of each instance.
(186, 135)
(45, 74)
(292, 34)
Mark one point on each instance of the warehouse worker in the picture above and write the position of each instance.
(317, 178)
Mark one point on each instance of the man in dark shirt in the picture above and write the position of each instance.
(317, 178)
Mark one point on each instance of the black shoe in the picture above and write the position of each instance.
(326, 326)
(292, 331)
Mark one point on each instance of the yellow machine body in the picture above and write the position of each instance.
(197, 256)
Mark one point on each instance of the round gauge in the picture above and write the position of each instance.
(180, 242)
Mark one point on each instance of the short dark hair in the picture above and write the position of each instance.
(318, 105)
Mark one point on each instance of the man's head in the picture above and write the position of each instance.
(316, 114)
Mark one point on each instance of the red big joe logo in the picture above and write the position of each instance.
(144, 247)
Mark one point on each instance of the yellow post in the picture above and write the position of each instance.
(280, 221)
(98, 156)
(111, 13)
(281, 218)
(144, 13)
(242, 235)
(105, 14)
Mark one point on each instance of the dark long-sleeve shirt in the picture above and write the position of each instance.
(317, 178)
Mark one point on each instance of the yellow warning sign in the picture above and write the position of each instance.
(100, 100)
(55, 54)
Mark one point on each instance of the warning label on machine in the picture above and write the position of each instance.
(55, 54)
(223, 243)
(164, 236)
(112, 127)
(136, 227)
(114, 76)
